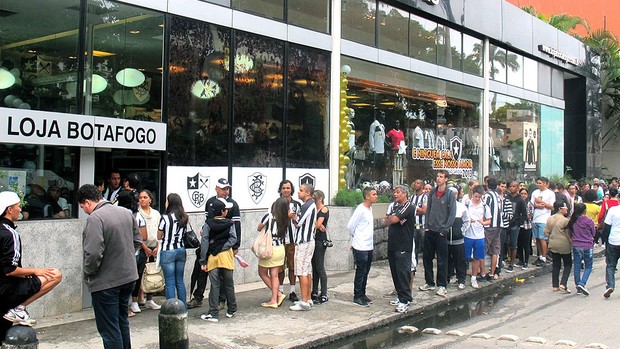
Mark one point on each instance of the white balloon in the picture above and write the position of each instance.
(24, 106)
(17, 102)
(8, 100)
(18, 81)
(15, 72)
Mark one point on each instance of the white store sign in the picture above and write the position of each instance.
(38, 127)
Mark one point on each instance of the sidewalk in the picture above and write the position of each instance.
(257, 327)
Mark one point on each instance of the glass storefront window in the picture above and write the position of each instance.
(472, 55)
(530, 73)
(448, 47)
(423, 39)
(498, 63)
(273, 9)
(38, 55)
(309, 14)
(514, 138)
(258, 101)
(47, 175)
(124, 64)
(552, 141)
(515, 69)
(393, 29)
(358, 21)
(437, 121)
(198, 111)
(307, 111)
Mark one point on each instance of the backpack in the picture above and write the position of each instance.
(153, 278)
(262, 246)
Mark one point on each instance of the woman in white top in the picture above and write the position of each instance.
(268, 269)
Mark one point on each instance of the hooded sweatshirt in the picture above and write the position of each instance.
(583, 233)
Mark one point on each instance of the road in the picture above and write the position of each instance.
(533, 310)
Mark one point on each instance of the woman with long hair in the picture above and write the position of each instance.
(318, 258)
(583, 233)
(559, 246)
(170, 232)
(593, 210)
(277, 222)
(524, 242)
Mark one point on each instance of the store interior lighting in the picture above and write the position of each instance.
(130, 77)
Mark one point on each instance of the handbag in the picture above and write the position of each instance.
(327, 242)
(153, 278)
(190, 240)
(262, 246)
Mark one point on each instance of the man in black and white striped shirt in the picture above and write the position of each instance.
(419, 201)
(304, 246)
(492, 232)
(286, 190)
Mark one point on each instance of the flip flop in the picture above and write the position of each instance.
(267, 305)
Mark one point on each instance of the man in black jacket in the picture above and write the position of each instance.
(519, 216)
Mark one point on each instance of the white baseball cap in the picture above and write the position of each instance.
(8, 198)
(223, 183)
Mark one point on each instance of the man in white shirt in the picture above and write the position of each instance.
(612, 248)
(361, 228)
(542, 199)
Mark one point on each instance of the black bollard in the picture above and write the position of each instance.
(21, 337)
(173, 325)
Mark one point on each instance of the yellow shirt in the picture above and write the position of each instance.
(224, 260)
(592, 212)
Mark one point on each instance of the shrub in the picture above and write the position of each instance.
(352, 198)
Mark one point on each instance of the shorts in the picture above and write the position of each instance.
(14, 291)
(513, 237)
(289, 256)
(276, 260)
(492, 241)
(303, 258)
(538, 231)
(474, 248)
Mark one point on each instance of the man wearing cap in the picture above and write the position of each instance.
(18, 286)
(199, 277)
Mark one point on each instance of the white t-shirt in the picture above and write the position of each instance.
(480, 212)
(542, 214)
(613, 219)
(361, 228)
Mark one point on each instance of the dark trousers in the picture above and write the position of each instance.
(221, 282)
(456, 262)
(558, 259)
(400, 267)
(524, 245)
(435, 244)
(612, 254)
(363, 260)
(111, 307)
(141, 262)
(198, 279)
(318, 268)
(418, 237)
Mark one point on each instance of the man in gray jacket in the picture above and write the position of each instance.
(110, 240)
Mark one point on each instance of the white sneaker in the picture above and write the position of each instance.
(394, 301)
(461, 286)
(441, 291)
(402, 307)
(152, 305)
(426, 287)
(474, 283)
(21, 317)
(301, 306)
(135, 307)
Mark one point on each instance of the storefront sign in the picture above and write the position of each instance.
(447, 158)
(557, 54)
(38, 127)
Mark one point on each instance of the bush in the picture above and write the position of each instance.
(352, 198)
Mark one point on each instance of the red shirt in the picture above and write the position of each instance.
(395, 137)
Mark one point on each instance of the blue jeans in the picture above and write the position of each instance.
(580, 254)
(111, 307)
(173, 265)
(612, 254)
(363, 261)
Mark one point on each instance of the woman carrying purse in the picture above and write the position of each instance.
(322, 241)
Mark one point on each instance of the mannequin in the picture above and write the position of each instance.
(397, 139)
(396, 135)
(376, 135)
(418, 137)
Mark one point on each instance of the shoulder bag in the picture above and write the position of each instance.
(262, 246)
(153, 278)
(190, 240)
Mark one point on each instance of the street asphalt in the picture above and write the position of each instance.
(256, 327)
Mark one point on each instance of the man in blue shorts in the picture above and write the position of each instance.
(542, 199)
(18, 286)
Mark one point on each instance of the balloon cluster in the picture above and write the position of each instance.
(345, 127)
(9, 78)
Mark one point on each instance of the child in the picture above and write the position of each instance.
(219, 235)
(479, 216)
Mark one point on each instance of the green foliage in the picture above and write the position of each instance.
(14, 187)
(352, 198)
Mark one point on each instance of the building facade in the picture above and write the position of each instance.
(184, 92)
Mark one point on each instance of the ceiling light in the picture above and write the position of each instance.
(6, 79)
(130, 77)
(205, 89)
(97, 53)
(134, 32)
(360, 104)
(98, 84)
(353, 97)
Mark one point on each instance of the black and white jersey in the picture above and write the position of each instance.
(418, 201)
(172, 237)
(494, 201)
(307, 223)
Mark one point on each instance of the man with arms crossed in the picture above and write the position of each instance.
(286, 190)
(542, 200)
(110, 240)
(361, 228)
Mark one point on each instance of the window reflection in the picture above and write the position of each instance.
(199, 93)
(497, 57)
(530, 73)
(515, 73)
(423, 39)
(472, 55)
(268, 8)
(358, 21)
(47, 175)
(448, 47)
(393, 29)
(309, 14)
(38, 55)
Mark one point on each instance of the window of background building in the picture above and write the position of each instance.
(258, 101)
(38, 55)
(449, 47)
(393, 29)
(544, 79)
(530, 74)
(498, 63)
(552, 140)
(432, 114)
(472, 55)
(124, 67)
(423, 39)
(198, 111)
(514, 138)
(557, 83)
(358, 21)
(36, 169)
(515, 69)
(273, 9)
(313, 15)
(307, 111)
